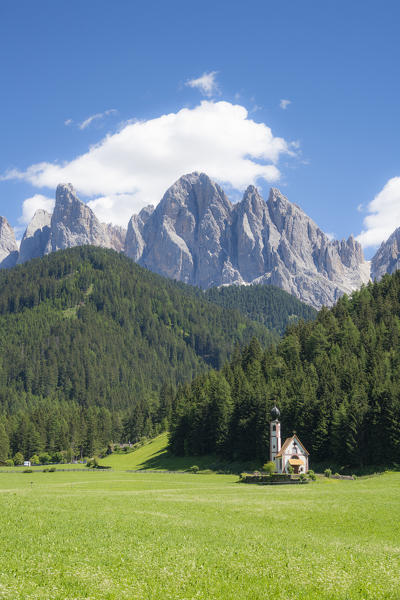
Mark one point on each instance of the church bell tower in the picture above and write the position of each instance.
(274, 436)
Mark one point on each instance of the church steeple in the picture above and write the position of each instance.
(274, 435)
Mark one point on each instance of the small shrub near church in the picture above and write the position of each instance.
(194, 469)
(311, 475)
(328, 472)
(269, 467)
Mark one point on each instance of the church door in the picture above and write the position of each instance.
(295, 462)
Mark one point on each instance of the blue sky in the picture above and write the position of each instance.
(333, 150)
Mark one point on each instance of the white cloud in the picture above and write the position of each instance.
(32, 204)
(360, 207)
(283, 104)
(134, 166)
(207, 84)
(68, 122)
(330, 235)
(96, 117)
(117, 208)
(384, 215)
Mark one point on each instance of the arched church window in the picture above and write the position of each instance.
(273, 427)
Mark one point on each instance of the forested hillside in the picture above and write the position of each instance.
(335, 380)
(88, 338)
(264, 303)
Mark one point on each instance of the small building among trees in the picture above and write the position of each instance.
(292, 455)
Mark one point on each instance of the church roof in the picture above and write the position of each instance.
(295, 462)
(287, 443)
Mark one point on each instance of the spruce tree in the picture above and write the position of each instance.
(4, 444)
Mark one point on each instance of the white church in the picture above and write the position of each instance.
(291, 454)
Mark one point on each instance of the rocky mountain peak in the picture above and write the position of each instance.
(350, 251)
(252, 201)
(73, 223)
(185, 235)
(146, 212)
(387, 258)
(67, 202)
(280, 207)
(196, 193)
(5, 227)
(40, 219)
(8, 245)
(65, 191)
(36, 236)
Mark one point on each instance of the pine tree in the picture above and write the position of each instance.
(4, 444)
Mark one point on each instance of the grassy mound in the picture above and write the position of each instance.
(155, 456)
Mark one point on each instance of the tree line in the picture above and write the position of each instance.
(92, 347)
(336, 381)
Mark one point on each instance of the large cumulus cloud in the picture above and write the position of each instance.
(384, 215)
(135, 165)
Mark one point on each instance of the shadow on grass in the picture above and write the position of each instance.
(165, 461)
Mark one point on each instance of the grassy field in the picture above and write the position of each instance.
(109, 534)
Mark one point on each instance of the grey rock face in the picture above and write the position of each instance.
(248, 233)
(36, 237)
(197, 236)
(294, 254)
(116, 236)
(185, 237)
(134, 242)
(8, 245)
(387, 258)
(73, 223)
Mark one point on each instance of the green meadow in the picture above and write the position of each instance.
(112, 534)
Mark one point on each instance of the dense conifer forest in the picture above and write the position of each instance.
(92, 347)
(335, 380)
(264, 303)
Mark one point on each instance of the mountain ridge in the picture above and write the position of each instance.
(197, 235)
